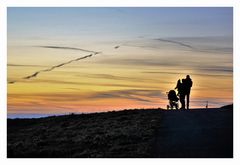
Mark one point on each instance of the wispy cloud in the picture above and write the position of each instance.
(25, 65)
(132, 94)
(120, 78)
(92, 83)
(178, 63)
(196, 74)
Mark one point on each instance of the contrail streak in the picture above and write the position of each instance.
(154, 47)
(57, 66)
(35, 74)
(176, 42)
(182, 44)
(67, 48)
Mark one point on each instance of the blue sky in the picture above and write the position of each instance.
(115, 22)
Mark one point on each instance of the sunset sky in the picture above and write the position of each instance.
(155, 48)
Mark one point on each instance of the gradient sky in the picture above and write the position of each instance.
(157, 47)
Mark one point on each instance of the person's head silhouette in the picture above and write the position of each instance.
(188, 77)
(183, 81)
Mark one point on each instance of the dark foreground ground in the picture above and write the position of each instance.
(196, 134)
(130, 133)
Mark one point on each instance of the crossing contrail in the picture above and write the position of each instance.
(35, 74)
(128, 44)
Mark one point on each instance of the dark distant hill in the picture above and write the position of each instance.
(128, 133)
(230, 106)
(198, 133)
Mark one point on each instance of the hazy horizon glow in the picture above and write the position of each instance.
(158, 46)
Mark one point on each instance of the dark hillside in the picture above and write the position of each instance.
(156, 133)
(128, 133)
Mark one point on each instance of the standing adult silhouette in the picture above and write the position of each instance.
(181, 92)
(188, 86)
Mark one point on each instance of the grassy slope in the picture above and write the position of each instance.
(112, 134)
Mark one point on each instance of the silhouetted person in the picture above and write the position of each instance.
(181, 92)
(187, 85)
(178, 86)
